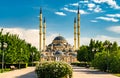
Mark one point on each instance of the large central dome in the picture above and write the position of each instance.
(59, 43)
(59, 38)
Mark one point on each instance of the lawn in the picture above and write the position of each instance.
(5, 70)
(117, 75)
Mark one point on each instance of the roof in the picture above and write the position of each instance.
(58, 53)
(59, 38)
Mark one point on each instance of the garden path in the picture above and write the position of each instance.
(79, 72)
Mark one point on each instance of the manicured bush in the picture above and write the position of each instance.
(54, 70)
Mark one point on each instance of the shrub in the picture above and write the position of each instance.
(16, 65)
(53, 70)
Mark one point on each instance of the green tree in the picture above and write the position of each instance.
(82, 54)
(115, 62)
(18, 50)
(114, 47)
(101, 61)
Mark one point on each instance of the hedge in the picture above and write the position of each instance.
(80, 64)
(54, 70)
(16, 65)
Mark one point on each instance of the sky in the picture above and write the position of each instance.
(99, 19)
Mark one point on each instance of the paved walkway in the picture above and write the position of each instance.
(22, 73)
(79, 72)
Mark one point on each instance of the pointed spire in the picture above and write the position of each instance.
(78, 9)
(44, 20)
(40, 10)
(75, 20)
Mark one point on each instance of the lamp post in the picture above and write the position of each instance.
(94, 50)
(3, 47)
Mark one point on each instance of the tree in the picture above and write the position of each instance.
(82, 54)
(115, 62)
(18, 50)
(101, 61)
(92, 44)
(103, 55)
(114, 47)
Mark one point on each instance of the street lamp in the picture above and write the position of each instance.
(94, 50)
(3, 47)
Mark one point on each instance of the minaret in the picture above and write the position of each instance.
(78, 27)
(75, 33)
(40, 32)
(44, 35)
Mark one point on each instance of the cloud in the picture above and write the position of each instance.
(93, 20)
(86, 40)
(85, 1)
(60, 13)
(115, 29)
(113, 15)
(94, 7)
(103, 38)
(75, 4)
(112, 3)
(108, 19)
(32, 36)
(83, 12)
(91, 6)
(97, 9)
(74, 11)
(69, 10)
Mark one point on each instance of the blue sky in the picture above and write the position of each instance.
(99, 18)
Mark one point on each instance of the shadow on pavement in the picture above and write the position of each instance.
(28, 75)
(78, 67)
(88, 71)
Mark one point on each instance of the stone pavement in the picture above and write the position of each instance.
(79, 72)
(22, 73)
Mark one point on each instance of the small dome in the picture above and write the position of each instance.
(50, 45)
(42, 55)
(73, 54)
(59, 44)
(58, 53)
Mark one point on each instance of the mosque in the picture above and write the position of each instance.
(59, 49)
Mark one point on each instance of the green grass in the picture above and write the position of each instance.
(92, 68)
(5, 70)
(117, 75)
